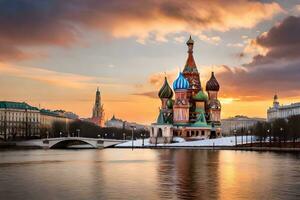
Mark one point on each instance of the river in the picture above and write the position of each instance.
(148, 174)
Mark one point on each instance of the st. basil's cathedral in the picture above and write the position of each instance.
(193, 114)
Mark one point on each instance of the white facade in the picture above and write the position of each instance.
(283, 111)
(20, 120)
(237, 123)
(161, 134)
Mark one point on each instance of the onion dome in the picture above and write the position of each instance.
(212, 84)
(165, 91)
(181, 83)
(170, 103)
(200, 96)
(190, 41)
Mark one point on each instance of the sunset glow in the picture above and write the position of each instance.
(57, 61)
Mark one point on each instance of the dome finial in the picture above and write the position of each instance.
(190, 41)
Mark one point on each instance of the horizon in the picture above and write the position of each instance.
(63, 53)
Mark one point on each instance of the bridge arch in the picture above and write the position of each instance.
(56, 144)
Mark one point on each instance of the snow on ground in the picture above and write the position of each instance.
(35, 142)
(224, 141)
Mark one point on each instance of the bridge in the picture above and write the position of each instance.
(63, 142)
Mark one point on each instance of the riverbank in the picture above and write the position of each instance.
(225, 143)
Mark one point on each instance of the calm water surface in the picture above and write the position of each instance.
(148, 174)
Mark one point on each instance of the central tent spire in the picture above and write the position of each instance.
(190, 62)
(190, 70)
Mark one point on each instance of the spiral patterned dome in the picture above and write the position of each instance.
(165, 91)
(181, 83)
(212, 84)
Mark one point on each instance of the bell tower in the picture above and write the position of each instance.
(98, 111)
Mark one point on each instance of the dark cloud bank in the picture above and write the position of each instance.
(276, 72)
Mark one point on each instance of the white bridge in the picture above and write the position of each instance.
(63, 142)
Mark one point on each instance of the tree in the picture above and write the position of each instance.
(294, 127)
(280, 129)
(57, 128)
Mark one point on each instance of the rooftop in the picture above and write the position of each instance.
(16, 105)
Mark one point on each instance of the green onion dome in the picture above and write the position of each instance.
(212, 84)
(170, 103)
(200, 96)
(165, 91)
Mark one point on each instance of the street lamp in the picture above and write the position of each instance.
(60, 133)
(268, 133)
(234, 131)
(249, 133)
(98, 136)
(281, 134)
(143, 137)
(133, 128)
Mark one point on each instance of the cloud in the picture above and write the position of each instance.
(61, 23)
(151, 94)
(66, 80)
(276, 70)
(281, 42)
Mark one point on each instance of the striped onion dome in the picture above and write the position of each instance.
(165, 91)
(212, 84)
(181, 83)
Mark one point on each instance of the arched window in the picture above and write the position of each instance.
(159, 133)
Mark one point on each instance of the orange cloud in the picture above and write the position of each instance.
(33, 23)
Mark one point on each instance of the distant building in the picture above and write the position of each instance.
(48, 117)
(119, 123)
(20, 120)
(238, 123)
(98, 111)
(282, 111)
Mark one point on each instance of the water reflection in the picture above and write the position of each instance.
(188, 174)
(148, 174)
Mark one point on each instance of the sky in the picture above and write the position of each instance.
(54, 54)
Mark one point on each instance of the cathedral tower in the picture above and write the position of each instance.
(214, 105)
(190, 70)
(275, 101)
(98, 112)
(181, 105)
